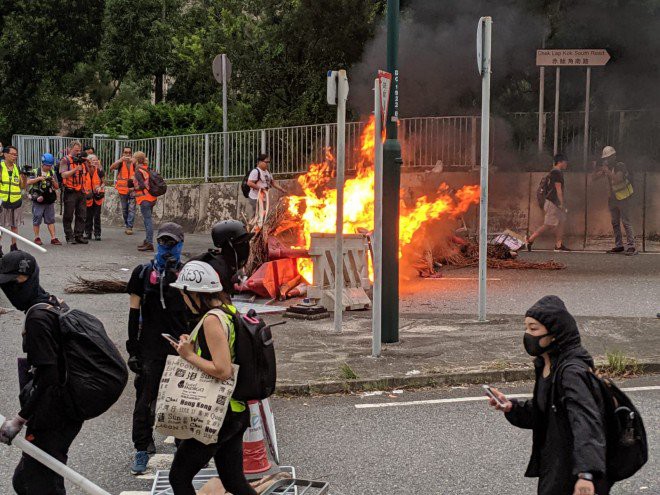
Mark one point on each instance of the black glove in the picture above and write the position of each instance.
(134, 364)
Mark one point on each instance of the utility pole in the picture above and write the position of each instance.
(391, 185)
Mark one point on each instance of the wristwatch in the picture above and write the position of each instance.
(586, 476)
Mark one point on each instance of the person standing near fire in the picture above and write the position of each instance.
(72, 170)
(260, 181)
(124, 186)
(554, 206)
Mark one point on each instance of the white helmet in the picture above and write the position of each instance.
(608, 151)
(197, 276)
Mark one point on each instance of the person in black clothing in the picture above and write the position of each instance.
(161, 310)
(43, 407)
(566, 413)
(555, 205)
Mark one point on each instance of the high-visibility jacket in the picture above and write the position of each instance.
(10, 184)
(126, 171)
(75, 181)
(92, 181)
(142, 195)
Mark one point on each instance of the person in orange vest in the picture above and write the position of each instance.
(72, 169)
(124, 186)
(95, 189)
(145, 200)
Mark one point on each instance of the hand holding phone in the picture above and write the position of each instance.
(497, 399)
(170, 339)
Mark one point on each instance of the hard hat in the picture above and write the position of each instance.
(608, 151)
(229, 232)
(47, 159)
(197, 276)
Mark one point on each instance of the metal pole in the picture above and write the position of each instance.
(377, 241)
(485, 135)
(22, 239)
(541, 103)
(391, 187)
(225, 148)
(556, 133)
(342, 94)
(263, 140)
(206, 157)
(585, 151)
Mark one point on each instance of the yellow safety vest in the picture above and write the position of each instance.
(10, 185)
(622, 190)
(236, 405)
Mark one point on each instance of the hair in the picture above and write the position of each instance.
(90, 148)
(262, 157)
(10, 147)
(140, 157)
(92, 157)
(559, 157)
(125, 147)
(72, 144)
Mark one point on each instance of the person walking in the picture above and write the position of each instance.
(44, 195)
(124, 187)
(12, 184)
(566, 412)
(145, 200)
(260, 181)
(619, 200)
(95, 192)
(161, 310)
(212, 351)
(554, 206)
(72, 170)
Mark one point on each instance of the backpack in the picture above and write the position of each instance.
(157, 185)
(95, 372)
(542, 191)
(255, 354)
(245, 188)
(627, 446)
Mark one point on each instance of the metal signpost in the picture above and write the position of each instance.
(484, 35)
(222, 74)
(337, 86)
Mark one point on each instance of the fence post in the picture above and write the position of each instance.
(473, 151)
(225, 155)
(622, 118)
(263, 140)
(206, 157)
(159, 154)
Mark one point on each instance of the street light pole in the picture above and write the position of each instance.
(391, 185)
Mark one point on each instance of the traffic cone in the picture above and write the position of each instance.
(255, 456)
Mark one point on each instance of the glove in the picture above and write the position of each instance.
(134, 364)
(10, 429)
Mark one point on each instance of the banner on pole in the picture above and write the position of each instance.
(385, 79)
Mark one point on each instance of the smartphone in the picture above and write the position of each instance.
(489, 393)
(167, 336)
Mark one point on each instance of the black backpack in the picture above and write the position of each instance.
(255, 354)
(157, 185)
(542, 191)
(244, 183)
(627, 447)
(95, 372)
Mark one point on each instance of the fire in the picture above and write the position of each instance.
(315, 209)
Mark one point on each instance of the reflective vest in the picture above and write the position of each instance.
(75, 181)
(622, 190)
(10, 184)
(236, 405)
(92, 181)
(126, 171)
(142, 195)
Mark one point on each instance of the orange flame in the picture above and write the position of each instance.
(315, 210)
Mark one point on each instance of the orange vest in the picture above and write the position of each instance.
(126, 171)
(77, 180)
(142, 195)
(92, 181)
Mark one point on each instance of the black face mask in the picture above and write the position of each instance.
(25, 295)
(533, 344)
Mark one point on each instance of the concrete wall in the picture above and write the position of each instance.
(512, 204)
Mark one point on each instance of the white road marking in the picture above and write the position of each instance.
(135, 493)
(156, 462)
(462, 278)
(472, 399)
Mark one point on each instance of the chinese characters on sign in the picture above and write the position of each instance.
(572, 58)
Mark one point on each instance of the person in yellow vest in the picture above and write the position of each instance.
(12, 184)
(145, 200)
(72, 170)
(95, 192)
(124, 186)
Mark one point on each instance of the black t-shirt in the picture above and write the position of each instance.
(543, 392)
(157, 320)
(40, 341)
(555, 176)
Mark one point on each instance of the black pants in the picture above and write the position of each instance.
(33, 478)
(93, 220)
(192, 456)
(74, 204)
(146, 393)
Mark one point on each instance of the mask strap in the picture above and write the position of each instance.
(197, 307)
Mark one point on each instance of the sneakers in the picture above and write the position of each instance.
(13, 247)
(128, 231)
(80, 240)
(55, 241)
(562, 248)
(38, 241)
(146, 246)
(97, 237)
(615, 250)
(631, 251)
(151, 449)
(140, 463)
(87, 237)
(529, 246)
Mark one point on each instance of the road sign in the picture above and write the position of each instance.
(385, 79)
(572, 58)
(217, 68)
(480, 45)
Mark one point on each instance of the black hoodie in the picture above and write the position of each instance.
(570, 437)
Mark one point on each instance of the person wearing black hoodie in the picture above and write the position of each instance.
(566, 412)
(43, 408)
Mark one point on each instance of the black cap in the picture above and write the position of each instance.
(16, 263)
(171, 229)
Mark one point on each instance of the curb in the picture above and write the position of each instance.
(421, 381)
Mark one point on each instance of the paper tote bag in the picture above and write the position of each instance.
(192, 404)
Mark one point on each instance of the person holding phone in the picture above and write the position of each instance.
(155, 308)
(566, 412)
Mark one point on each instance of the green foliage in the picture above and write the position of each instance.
(347, 373)
(618, 364)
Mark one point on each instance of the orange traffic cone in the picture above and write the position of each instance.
(255, 456)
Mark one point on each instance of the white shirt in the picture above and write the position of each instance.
(262, 178)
